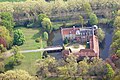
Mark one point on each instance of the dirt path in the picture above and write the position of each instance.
(7, 54)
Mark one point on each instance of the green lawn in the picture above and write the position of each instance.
(30, 35)
(28, 62)
(57, 25)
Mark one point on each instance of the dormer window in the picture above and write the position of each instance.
(78, 32)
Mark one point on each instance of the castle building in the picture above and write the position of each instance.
(78, 34)
(82, 35)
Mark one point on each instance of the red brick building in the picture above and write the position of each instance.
(92, 51)
(78, 34)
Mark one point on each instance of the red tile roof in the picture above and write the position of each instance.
(67, 31)
(94, 44)
(86, 52)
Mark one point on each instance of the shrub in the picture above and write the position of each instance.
(66, 41)
(2, 48)
(30, 25)
(100, 35)
(19, 37)
(37, 40)
(45, 36)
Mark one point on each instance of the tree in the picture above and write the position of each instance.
(100, 34)
(2, 66)
(100, 68)
(7, 20)
(118, 13)
(116, 77)
(16, 58)
(117, 22)
(47, 25)
(83, 68)
(41, 17)
(45, 36)
(81, 20)
(46, 66)
(19, 37)
(93, 19)
(118, 53)
(115, 46)
(5, 37)
(116, 35)
(87, 8)
(2, 48)
(69, 69)
(110, 72)
(17, 75)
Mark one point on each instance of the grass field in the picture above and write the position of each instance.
(57, 25)
(28, 62)
(30, 35)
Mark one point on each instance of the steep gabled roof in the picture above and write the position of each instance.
(86, 52)
(67, 31)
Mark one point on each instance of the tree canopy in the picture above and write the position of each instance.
(115, 44)
(6, 39)
(16, 75)
(47, 25)
(19, 37)
(81, 20)
(117, 22)
(42, 16)
(93, 19)
(70, 68)
(100, 34)
(7, 20)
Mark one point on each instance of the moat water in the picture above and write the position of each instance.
(56, 39)
(105, 52)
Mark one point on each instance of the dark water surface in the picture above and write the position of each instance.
(105, 52)
(56, 40)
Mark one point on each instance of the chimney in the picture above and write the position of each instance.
(73, 27)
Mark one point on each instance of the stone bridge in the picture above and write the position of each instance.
(51, 48)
